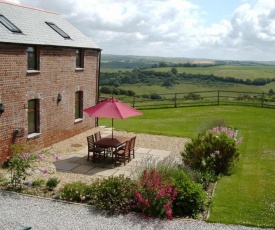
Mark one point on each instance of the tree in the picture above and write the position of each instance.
(162, 64)
(106, 89)
(174, 71)
(116, 91)
(155, 96)
(167, 83)
(131, 93)
(271, 92)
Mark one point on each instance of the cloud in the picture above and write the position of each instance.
(14, 1)
(171, 27)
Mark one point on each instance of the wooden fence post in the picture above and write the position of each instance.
(175, 100)
(134, 100)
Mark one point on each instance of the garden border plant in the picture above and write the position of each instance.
(155, 194)
(22, 164)
(213, 152)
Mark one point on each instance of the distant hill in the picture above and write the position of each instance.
(132, 61)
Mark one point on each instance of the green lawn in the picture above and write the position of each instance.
(248, 196)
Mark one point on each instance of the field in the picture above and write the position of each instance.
(247, 197)
(240, 72)
(185, 88)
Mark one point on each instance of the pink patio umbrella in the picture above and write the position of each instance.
(112, 108)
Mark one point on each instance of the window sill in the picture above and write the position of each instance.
(79, 69)
(33, 71)
(33, 135)
(78, 120)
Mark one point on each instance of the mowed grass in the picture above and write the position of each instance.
(247, 197)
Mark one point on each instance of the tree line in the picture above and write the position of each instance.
(170, 78)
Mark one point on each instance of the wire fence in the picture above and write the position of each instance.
(198, 98)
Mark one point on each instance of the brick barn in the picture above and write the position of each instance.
(49, 72)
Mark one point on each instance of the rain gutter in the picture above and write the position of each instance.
(98, 79)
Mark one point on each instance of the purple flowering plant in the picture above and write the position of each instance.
(22, 164)
(155, 195)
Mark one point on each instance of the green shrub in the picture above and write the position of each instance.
(212, 152)
(38, 183)
(113, 194)
(192, 96)
(191, 197)
(76, 191)
(52, 183)
(155, 96)
(205, 178)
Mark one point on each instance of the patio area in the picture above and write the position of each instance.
(77, 162)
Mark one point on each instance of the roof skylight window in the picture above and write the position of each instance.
(58, 30)
(7, 23)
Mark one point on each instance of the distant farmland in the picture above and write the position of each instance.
(240, 72)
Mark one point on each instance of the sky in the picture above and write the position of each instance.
(202, 29)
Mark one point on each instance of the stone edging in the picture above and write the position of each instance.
(212, 193)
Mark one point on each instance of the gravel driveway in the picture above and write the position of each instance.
(19, 211)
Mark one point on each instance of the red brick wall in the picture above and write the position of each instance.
(57, 75)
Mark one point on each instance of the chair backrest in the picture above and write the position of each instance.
(133, 142)
(91, 141)
(97, 136)
(127, 146)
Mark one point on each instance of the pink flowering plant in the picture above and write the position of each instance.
(230, 133)
(155, 194)
(22, 164)
(213, 152)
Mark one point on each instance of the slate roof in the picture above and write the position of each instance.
(31, 21)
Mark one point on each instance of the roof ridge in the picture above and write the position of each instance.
(29, 7)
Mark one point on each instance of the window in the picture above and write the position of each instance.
(9, 24)
(33, 55)
(79, 105)
(79, 58)
(58, 30)
(33, 116)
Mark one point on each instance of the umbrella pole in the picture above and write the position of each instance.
(112, 128)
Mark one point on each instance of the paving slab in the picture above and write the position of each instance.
(142, 150)
(82, 169)
(65, 166)
(105, 172)
(161, 153)
(84, 161)
(73, 158)
(140, 155)
(135, 162)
